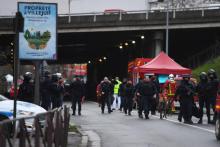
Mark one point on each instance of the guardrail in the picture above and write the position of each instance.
(122, 12)
(203, 56)
(52, 131)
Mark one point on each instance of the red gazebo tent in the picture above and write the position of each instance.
(163, 64)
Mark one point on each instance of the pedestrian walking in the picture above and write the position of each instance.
(106, 91)
(185, 92)
(77, 92)
(213, 84)
(201, 90)
(56, 91)
(45, 91)
(146, 91)
(154, 102)
(128, 97)
(117, 99)
(26, 89)
(121, 93)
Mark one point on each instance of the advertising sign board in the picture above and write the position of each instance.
(39, 39)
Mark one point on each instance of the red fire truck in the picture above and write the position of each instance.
(217, 124)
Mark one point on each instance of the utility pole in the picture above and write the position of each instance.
(167, 28)
(19, 27)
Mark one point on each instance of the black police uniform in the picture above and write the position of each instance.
(56, 91)
(154, 101)
(146, 90)
(185, 92)
(106, 91)
(201, 89)
(77, 89)
(26, 90)
(128, 97)
(46, 93)
(121, 93)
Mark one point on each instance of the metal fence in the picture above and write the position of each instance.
(49, 129)
(203, 56)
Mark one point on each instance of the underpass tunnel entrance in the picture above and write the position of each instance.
(106, 53)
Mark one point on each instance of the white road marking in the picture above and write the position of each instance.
(193, 126)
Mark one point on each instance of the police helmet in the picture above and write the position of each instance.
(27, 76)
(203, 76)
(186, 76)
(54, 78)
(171, 76)
(212, 73)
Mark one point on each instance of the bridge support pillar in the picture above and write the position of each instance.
(158, 42)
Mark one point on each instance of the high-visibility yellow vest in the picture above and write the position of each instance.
(116, 87)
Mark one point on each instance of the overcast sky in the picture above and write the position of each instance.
(9, 7)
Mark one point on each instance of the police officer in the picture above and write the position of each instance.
(56, 91)
(185, 92)
(106, 91)
(213, 84)
(154, 101)
(201, 89)
(26, 89)
(121, 93)
(45, 91)
(146, 91)
(77, 91)
(128, 97)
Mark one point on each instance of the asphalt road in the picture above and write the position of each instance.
(119, 130)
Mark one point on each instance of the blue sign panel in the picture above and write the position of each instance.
(39, 39)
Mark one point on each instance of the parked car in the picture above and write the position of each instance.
(217, 124)
(24, 109)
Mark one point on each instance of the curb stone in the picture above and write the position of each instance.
(85, 138)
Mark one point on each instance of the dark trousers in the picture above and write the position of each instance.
(128, 104)
(204, 101)
(106, 100)
(153, 105)
(186, 108)
(56, 102)
(144, 105)
(46, 102)
(76, 101)
(122, 102)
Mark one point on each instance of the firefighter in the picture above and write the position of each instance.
(146, 91)
(106, 95)
(98, 93)
(170, 88)
(26, 89)
(212, 88)
(201, 89)
(117, 99)
(128, 97)
(185, 92)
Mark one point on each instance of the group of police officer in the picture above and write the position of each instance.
(122, 95)
(146, 94)
(52, 90)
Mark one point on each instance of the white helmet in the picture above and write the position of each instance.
(171, 77)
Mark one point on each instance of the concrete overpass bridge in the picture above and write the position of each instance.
(130, 20)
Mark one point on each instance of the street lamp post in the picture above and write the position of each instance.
(167, 28)
(69, 2)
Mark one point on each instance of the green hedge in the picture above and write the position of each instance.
(214, 64)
